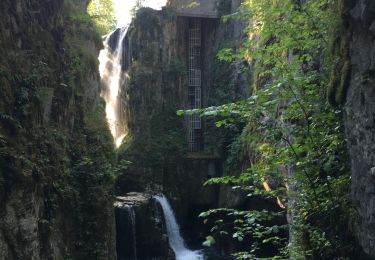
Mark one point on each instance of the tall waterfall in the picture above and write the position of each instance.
(131, 216)
(176, 242)
(111, 75)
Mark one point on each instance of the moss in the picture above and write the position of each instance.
(69, 160)
(155, 131)
(224, 7)
(344, 83)
(340, 63)
(147, 19)
(166, 142)
(259, 78)
(340, 76)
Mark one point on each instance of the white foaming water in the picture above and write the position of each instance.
(110, 67)
(110, 70)
(175, 240)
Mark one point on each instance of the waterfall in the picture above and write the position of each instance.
(111, 75)
(176, 242)
(131, 217)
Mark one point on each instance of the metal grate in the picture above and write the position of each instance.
(195, 37)
(195, 84)
(195, 77)
(194, 141)
(196, 122)
(191, 92)
(198, 95)
(194, 57)
(195, 23)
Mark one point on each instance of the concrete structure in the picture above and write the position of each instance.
(197, 12)
(198, 8)
(195, 83)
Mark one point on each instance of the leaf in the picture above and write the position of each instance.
(210, 241)
(180, 112)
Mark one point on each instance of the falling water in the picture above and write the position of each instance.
(175, 240)
(111, 75)
(131, 215)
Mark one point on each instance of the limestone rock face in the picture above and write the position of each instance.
(360, 118)
(55, 196)
(140, 228)
(20, 226)
(155, 87)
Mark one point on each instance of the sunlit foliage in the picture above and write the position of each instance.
(102, 11)
(293, 134)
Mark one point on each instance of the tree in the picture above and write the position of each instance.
(102, 12)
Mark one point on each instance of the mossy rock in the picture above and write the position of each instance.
(341, 68)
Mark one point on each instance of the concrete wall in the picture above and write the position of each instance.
(202, 8)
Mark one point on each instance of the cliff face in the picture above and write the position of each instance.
(55, 149)
(156, 65)
(141, 230)
(360, 117)
(155, 88)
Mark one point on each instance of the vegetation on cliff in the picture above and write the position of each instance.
(55, 146)
(57, 158)
(293, 137)
(103, 14)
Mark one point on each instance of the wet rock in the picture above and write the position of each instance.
(19, 226)
(360, 119)
(140, 228)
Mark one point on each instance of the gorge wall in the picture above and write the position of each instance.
(56, 152)
(156, 62)
(155, 89)
(360, 116)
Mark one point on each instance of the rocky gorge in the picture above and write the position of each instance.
(190, 138)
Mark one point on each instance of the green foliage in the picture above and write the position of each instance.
(210, 241)
(178, 4)
(165, 142)
(82, 28)
(257, 226)
(292, 136)
(102, 12)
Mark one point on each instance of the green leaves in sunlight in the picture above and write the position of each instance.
(103, 14)
(292, 137)
(210, 241)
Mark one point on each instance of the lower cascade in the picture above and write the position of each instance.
(176, 241)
